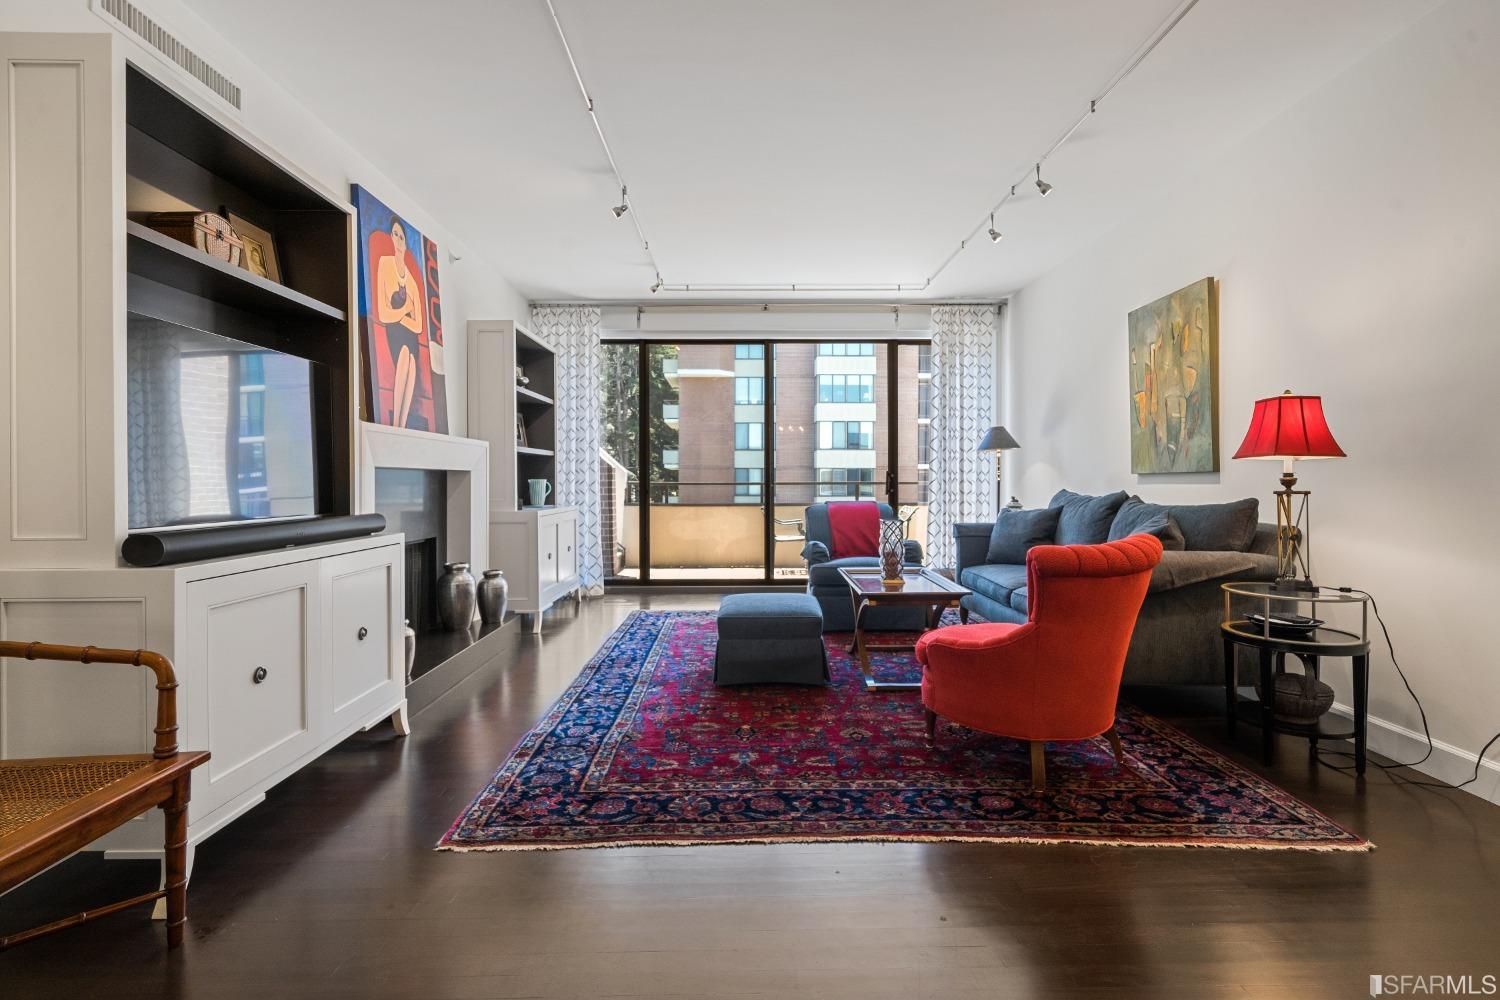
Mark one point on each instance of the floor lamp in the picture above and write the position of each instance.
(997, 440)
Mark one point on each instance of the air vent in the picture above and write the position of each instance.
(154, 35)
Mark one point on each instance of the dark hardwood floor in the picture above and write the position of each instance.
(331, 890)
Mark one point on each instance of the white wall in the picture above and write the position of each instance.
(1357, 242)
(471, 288)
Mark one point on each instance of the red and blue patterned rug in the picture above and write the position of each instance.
(643, 749)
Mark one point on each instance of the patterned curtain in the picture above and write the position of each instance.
(962, 480)
(573, 331)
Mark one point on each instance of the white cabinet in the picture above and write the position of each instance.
(364, 590)
(255, 634)
(537, 547)
(279, 657)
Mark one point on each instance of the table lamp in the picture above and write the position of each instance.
(997, 439)
(1290, 427)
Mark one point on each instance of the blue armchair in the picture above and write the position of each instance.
(824, 582)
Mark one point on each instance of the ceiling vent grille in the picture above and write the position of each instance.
(132, 19)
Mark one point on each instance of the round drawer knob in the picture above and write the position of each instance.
(362, 632)
(260, 674)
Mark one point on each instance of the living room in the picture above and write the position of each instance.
(670, 500)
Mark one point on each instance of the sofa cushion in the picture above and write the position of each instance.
(1218, 527)
(826, 574)
(994, 581)
(1183, 569)
(1017, 531)
(1085, 519)
(1019, 600)
(1137, 517)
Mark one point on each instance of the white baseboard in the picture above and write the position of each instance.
(1448, 763)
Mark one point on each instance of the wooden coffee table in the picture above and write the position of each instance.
(919, 586)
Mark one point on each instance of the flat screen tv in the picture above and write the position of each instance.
(220, 431)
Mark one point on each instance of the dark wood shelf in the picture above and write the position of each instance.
(542, 452)
(178, 265)
(525, 395)
(1328, 726)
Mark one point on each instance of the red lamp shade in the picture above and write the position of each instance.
(1288, 426)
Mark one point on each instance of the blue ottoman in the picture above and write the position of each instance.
(770, 639)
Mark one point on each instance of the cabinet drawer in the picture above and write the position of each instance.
(364, 609)
(255, 634)
(567, 548)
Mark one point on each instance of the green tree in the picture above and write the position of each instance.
(619, 431)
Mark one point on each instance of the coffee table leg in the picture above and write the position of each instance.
(860, 652)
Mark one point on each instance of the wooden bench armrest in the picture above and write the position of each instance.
(166, 678)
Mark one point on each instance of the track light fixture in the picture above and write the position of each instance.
(656, 287)
(995, 235)
(623, 206)
(1041, 185)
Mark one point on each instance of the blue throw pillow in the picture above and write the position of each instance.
(1137, 517)
(1085, 519)
(1016, 531)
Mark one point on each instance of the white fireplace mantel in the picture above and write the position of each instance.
(467, 462)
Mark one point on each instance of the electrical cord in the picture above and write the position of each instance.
(1422, 712)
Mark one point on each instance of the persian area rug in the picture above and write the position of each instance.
(643, 749)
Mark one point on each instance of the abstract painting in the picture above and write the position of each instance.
(400, 319)
(1174, 391)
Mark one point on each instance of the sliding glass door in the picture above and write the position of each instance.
(715, 450)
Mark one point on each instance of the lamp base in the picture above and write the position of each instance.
(1294, 585)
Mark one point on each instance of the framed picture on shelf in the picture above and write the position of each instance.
(521, 431)
(259, 254)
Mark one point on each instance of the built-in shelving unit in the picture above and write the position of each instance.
(525, 397)
(178, 160)
(172, 262)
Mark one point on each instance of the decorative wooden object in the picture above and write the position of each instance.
(53, 806)
(208, 232)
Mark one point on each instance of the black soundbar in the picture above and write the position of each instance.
(166, 548)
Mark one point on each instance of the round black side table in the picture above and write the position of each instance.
(1273, 646)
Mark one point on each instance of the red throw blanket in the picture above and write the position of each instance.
(854, 529)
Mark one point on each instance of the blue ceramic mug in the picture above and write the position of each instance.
(540, 490)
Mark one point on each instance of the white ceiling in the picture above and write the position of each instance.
(809, 141)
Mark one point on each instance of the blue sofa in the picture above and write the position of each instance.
(824, 582)
(1176, 638)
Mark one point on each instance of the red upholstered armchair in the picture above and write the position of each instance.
(1057, 677)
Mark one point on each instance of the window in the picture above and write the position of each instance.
(749, 391)
(846, 350)
(852, 484)
(749, 352)
(749, 437)
(747, 484)
(846, 388)
(669, 458)
(252, 413)
(859, 434)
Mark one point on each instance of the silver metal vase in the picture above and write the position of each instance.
(456, 595)
(493, 591)
(411, 648)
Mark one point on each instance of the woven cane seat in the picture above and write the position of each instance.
(30, 790)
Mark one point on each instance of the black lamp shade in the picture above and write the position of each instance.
(997, 439)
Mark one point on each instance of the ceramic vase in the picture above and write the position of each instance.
(492, 594)
(456, 595)
(892, 549)
(411, 648)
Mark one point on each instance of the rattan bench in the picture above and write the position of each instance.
(53, 806)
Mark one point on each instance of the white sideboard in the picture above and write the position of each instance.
(537, 547)
(279, 656)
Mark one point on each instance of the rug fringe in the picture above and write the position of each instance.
(1246, 845)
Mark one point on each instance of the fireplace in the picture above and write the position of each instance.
(434, 489)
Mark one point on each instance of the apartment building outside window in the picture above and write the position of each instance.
(749, 436)
(846, 388)
(749, 391)
(847, 434)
